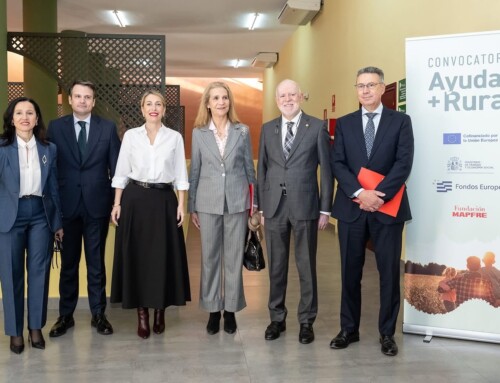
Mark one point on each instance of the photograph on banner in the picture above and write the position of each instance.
(452, 279)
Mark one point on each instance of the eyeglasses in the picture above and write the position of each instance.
(369, 86)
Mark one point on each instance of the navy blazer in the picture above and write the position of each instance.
(10, 183)
(90, 178)
(392, 156)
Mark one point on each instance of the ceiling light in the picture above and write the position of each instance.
(253, 21)
(118, 19)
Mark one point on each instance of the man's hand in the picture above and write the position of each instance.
(323, 221)
(370, 200)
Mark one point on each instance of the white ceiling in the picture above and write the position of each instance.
(203, 37)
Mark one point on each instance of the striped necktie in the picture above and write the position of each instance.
(369, 133)
(288, 139)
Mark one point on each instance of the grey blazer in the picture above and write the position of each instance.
(298, 174)
(214, 179)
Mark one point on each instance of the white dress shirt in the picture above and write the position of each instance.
(29, 168)
(163, 161)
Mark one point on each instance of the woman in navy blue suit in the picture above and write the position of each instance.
(31, 214)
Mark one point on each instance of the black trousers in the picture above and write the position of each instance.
(387, 241)
(94, 232)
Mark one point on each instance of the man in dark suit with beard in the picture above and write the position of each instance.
(380, 140)
(88, 147)
(292, 147)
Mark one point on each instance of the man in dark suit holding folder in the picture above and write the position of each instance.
(381, 140)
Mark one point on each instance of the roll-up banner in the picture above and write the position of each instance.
(452, 277)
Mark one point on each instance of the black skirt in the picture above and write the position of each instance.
(150, 264)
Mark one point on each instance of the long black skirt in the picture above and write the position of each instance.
(150, 264)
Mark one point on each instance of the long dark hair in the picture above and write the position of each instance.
(9, 131)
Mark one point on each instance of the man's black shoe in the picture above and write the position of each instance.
(101, 323)
(344, 339)
(63, 323)
(389, 346)
(274, 330)
(306, 334)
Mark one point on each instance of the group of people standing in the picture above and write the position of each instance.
(150, 264)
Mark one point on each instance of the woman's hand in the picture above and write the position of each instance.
(180, 216)
(115, 214)
(58, 235)
(195, 220)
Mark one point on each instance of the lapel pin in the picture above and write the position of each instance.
(44, 159)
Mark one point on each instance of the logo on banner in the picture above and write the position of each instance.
(480, 138)
(469, 212)
(454, 164)
(452, 138)
(444, 186)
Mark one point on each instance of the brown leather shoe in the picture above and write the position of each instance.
(143, 329)
(159, 321)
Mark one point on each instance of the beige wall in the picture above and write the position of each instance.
(349, 34)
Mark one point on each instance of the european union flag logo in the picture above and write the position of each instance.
(452, 138)
(444, 186)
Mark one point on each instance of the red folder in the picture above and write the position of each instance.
(369, 180)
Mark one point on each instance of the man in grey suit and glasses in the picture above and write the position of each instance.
(291, 148)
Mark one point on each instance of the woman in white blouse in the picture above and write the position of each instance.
(221, 171)
(31, 214)
(150, 264)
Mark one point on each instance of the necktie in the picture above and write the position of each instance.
(82, 138)
(369, 133)
(288, 139)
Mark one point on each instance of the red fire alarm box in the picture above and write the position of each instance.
(331, 127)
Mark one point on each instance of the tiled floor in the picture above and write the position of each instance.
(186, 353)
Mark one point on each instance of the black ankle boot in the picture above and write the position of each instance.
(229, 322)
(213, 324)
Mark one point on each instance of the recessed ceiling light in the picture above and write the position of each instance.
(253, 21)
(119, 19)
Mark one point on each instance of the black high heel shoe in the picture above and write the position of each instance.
(35, 338)
(16, 344)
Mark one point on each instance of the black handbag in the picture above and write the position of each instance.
(253, 257)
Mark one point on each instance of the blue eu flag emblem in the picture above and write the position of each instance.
(452, 138)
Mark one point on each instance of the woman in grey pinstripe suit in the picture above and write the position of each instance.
(221, 171)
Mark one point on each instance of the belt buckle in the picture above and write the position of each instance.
(145, 185)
